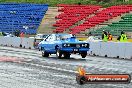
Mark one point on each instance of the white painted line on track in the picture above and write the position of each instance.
(53, 68)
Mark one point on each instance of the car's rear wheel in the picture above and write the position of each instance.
(59, 54)
(66, 55)
(84, 54)
(45, 54)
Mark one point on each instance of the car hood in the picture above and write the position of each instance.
(72, 40)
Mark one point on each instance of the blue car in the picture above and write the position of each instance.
(63, 45)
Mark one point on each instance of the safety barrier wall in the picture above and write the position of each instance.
(17, 42)
(111, 49)
(106, 49)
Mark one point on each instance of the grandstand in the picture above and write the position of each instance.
(76, 19)
(24, 17)
(125, 24)
(72, 14)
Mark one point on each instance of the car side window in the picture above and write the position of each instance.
(57, 37)
(50, 38)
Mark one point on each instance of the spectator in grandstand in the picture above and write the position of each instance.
(109, 36)
(122, 37)
(104, 36)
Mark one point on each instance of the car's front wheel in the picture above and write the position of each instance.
(45, 54)
(66, 55)
(59, 54)
(84, 54)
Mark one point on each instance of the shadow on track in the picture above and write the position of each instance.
(67, 59)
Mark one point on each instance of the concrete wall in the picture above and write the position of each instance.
(111, 49)
(17, 42)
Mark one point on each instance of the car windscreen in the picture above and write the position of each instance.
(44, 36)
(63, 36)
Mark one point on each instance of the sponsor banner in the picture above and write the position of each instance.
(82, 78)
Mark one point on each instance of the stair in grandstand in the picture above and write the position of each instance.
(47, 22)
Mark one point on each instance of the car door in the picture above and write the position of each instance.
(49, 43)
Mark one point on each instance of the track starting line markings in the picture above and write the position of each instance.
(10, 59)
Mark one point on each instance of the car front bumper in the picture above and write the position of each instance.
(74, 50)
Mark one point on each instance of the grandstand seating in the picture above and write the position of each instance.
(101, 17)
(125, 24)
(72, 14)
(21, 16)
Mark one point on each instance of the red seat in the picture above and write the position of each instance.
(102, 16)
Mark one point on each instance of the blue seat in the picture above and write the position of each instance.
(14, 16)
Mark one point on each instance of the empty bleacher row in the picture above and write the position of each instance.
(69, 16)
(24, 17)
(72, 14)
(125, 24)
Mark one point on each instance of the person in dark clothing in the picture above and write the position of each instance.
(105, 36)
(17, 33)
(122, 37)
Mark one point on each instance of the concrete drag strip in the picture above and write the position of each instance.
(48, 67)
(30, 67)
